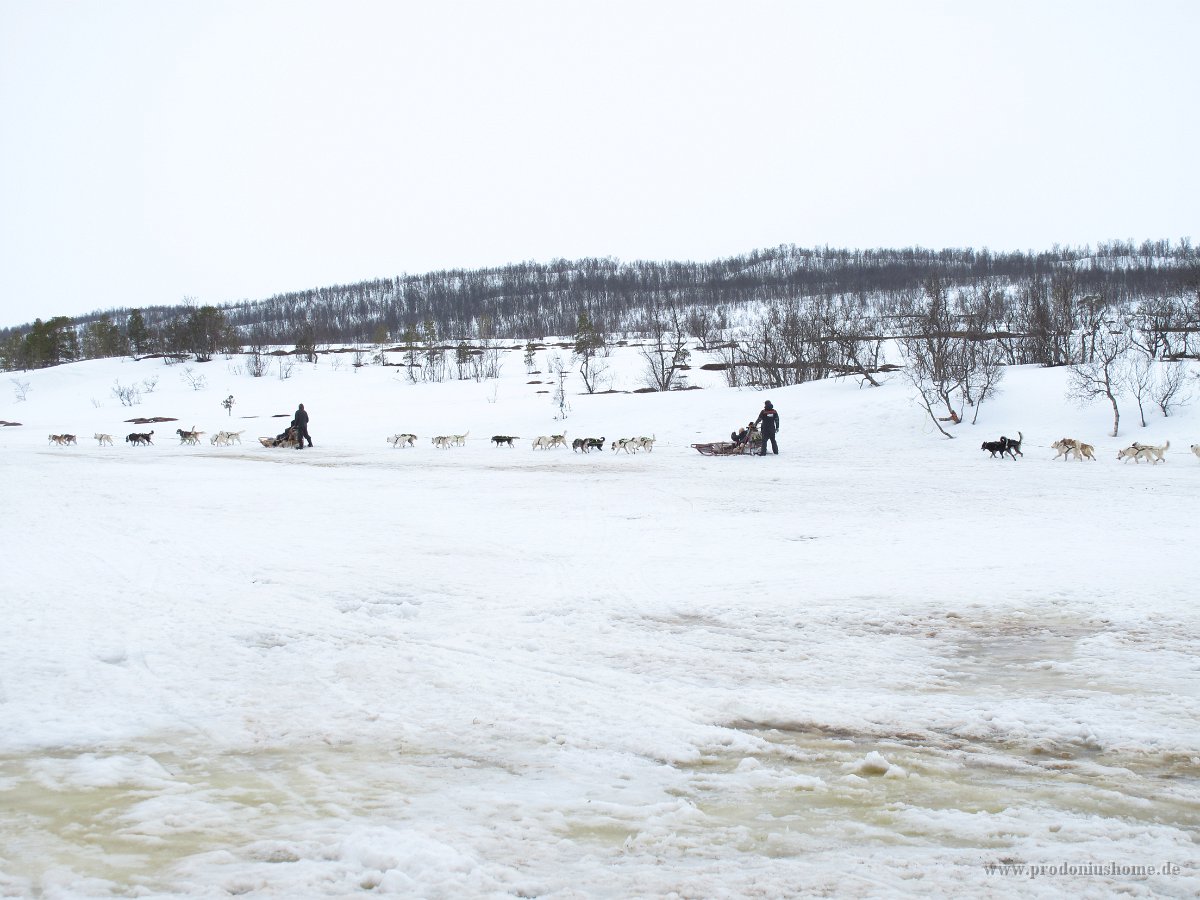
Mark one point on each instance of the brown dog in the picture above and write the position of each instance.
(1068, 446)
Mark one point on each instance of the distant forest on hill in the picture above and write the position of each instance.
(815, 297)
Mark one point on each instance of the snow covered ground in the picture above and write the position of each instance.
(877, 665)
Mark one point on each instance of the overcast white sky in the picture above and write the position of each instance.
(152, 150)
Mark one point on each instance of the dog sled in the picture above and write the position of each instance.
(743, 442)
(289, 438)
(747, 447)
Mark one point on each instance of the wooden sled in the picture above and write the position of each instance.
(726, 448)
(287, 439)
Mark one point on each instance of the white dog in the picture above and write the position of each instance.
(459, 440)
(645, 443)
(1068, 446)
(1150, 453)
(1128, 453)
(442, 441)
(1196, 450)
(403, 440)
(104, 440)
(225, 438)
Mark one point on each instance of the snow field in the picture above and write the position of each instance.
(870, 666)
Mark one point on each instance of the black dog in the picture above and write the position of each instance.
(139, 438)
(997, 448)
(499, 439)
(593, 444)
(1011, 447)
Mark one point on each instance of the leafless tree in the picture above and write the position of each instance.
(858, 344)
(194, 379)
(257, 361)
(985, 314)
(433, 366)
(706, 325)
(306, 342)
(952, 356)
(984, 364)
(128, 394)
(793, 342)
(666, 351)
(1047, 315)
(730, 356)
(933, 355)
(412, 365)
(1101, 376)
(1170, 387)
(558, 368)
(931, 396)
(1136, 373)
(1094, 313)
(489, 348)
(1158, 322)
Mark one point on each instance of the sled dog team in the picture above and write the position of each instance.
(140, 438)
(1072, 447)
(1068, 447)
(541, 442)
(1011, 447)
(1005, 446)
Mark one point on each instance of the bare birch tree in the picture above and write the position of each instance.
(667, 351)
(1102, 376)
(1137, 379)
(932, 354)
(1170, 387)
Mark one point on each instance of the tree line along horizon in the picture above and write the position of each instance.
(774, 317)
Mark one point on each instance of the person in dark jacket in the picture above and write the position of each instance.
(768, 423)
(300, 423)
